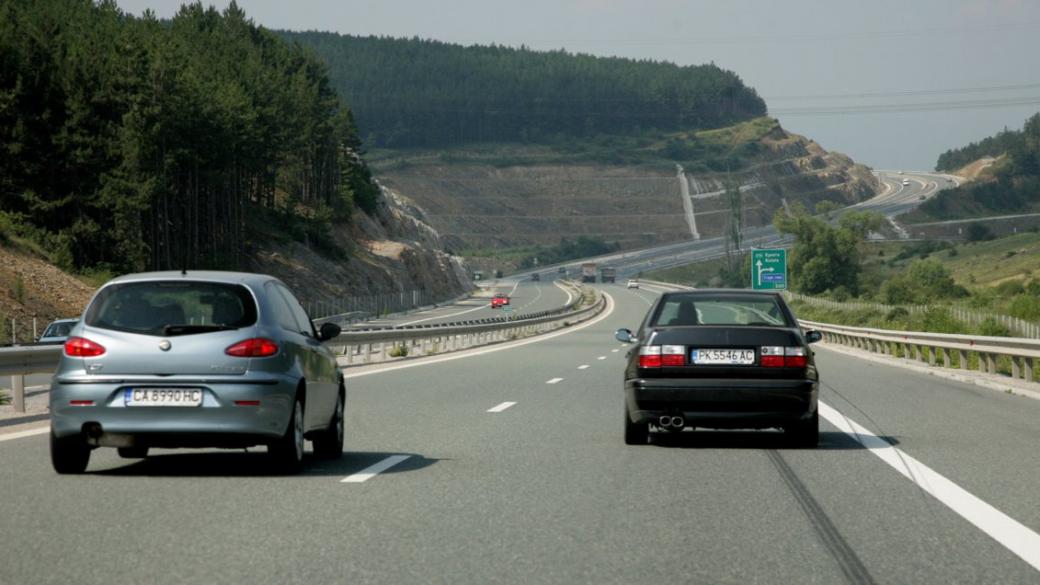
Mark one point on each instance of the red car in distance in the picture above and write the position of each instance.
(499, 300)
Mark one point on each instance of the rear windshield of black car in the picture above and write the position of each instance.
(169, 308)
(736, 310)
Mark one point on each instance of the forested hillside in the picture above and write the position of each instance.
(1013, 188)
(424, 93)
(1005, 141)
(129, 143)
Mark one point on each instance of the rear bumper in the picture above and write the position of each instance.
(218, 422)
(722, 403)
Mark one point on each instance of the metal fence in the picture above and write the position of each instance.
(1017, 327)
(380, 304)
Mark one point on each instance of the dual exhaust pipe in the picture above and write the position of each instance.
(671, 422)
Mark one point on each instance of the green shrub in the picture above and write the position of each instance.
(399, 351)
(992, 328)
(1025, 306)
(1010, 288)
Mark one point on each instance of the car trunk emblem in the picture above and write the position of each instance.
(165, 345)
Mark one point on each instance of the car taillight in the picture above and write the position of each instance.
(650, 356)
(673, 355)
(773, 356)
(81, 347)
(794, 357)
(255, 347)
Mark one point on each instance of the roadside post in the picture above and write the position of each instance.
(769, 269)
(18, 392)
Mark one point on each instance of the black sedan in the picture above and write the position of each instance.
(721, 359)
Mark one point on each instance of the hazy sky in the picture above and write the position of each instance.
(816, 62)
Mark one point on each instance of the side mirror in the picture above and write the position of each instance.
(813, 336)
(624, 336)
(328, 331)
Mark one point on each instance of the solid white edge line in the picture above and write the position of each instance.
(501, 407)
(554, 381)
(484, 306)
(23, 434)
(500, 347)
(1010, 533)
(374, 470)
(564, 289)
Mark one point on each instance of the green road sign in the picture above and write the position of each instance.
(769, 269)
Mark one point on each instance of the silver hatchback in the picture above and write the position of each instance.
(196, 359)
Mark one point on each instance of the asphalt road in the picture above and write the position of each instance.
(542, 489)
(894, 200)
(525, 295)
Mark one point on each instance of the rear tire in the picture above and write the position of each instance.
(287, 452)
(636, 433)
(804, 434)
(329, 443)
(69, 454)
(133, 452)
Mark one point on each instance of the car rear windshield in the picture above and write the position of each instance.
(760, 311)
(59, 329)
(170, 308)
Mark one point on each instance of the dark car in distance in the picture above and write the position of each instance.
(721, 359)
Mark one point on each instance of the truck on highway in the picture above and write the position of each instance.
(588, 272)
(607, 274)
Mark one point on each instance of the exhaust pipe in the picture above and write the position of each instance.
(678, 422)
(93, 430)
(665, 421)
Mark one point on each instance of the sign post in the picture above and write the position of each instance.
(769, 269)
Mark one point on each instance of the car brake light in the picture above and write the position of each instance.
(650, 356)
(782, 357)
(673, 355)
(81, 403)
(794, 357)
(255, 347)
(81, 347)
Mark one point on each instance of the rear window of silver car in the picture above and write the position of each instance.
(735, 310)
(170, 308)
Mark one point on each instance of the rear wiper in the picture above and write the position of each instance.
(187, 329)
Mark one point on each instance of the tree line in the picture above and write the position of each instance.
(133, 143)
(1023, 146)
(424, 93)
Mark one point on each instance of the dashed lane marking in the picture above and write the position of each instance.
(583, 367)
(374, 470)
(602, 357)
(501, 407)
(554, 381)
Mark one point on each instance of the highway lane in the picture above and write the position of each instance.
(894, 200)
(526, 296)
(544, 490)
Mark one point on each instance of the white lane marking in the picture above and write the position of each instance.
(501, 407)
(614, 350)
(564, 289)
(482, 306)
(500, 347)
(537, 287)
(583, 367)
(602, 357)
(554, 381)
(25, 433)
(1013, 535)
(374, 470)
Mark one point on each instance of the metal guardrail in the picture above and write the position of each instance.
(365, 346)
(19, 361)
(932, 347)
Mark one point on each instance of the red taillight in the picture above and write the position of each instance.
(256, 347)
(247, 403)
(80, 347)
(81, 403)
(794, 357)
(650, 356)
(782, 357)
(673, 355)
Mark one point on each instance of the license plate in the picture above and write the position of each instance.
(162, 396)
(725, 357)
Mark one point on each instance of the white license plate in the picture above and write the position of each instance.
(162, 396)
(725, 357)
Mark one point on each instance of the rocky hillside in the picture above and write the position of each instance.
(393, 250)
(481, 198)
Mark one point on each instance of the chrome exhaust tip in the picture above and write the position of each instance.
(665, 421)
(678, 422)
